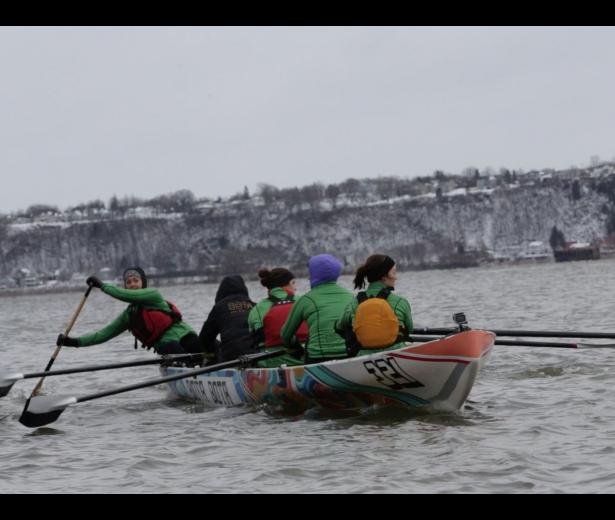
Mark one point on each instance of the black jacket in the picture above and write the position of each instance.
(229, 318)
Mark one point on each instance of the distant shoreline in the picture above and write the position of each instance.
(41, 289)
(179, 281)
(191, 280)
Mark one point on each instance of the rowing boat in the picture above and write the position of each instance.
(437, 375)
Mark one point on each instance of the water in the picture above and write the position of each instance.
(538, 420)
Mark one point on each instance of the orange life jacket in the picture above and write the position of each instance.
(375, 323)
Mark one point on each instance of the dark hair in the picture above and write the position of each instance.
(374, 268)
(277, 277)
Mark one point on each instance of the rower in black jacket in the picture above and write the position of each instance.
(229, 319)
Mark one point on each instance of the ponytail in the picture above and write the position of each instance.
(264, 274)
(359, 279)
(276, 277)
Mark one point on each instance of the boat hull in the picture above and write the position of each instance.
(437, 375)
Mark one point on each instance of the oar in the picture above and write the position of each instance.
(46, 409)
(513, 343)
(552, 344)
(69, 327)
(522, 333)
(7, 380)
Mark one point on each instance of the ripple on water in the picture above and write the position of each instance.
(537, 420)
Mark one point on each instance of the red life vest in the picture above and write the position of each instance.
(148, 325)
(274, 321)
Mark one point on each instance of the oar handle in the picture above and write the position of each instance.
(69, 327)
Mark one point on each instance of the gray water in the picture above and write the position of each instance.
(539, 420)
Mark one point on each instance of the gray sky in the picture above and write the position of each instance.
(86, 113)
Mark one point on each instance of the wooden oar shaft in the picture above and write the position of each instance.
(69, 327)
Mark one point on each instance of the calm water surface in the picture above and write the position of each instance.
(537, 421)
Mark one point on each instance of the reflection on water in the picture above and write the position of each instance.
(538, 419)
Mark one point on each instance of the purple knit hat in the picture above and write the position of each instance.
(324, 268)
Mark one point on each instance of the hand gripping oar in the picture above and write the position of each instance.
(522, 333)
(69, 327)
(7, 380)
(46, 409)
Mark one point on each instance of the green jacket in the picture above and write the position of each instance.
(401, 308)
(255, 322)
(321, 308)
(150, 299)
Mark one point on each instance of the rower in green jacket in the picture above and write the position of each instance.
(321, 307)
(269, 315)
(381, 274)
(149, 317)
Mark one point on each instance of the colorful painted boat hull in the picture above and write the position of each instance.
(437, 376)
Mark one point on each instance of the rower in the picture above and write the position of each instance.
(228, 318)
(269, 315)
(152, 320)
(320, 307)
(376, 319)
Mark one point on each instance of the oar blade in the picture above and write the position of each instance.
(5, 389)
(42, 410)
(7, 381)
(596, 345)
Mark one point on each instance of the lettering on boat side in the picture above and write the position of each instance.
(387, 372)
(215, 391)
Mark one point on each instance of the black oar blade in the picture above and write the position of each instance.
(7, 381)
(595, 345)
(43, 410)
(5, 389)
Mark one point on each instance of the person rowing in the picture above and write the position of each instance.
(152, 320)
(229, 319)
(320, 307)
(376, 319)
(269, 315)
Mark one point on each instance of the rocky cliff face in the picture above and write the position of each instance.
(245, 235)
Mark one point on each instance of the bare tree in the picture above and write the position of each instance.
(37, 210)
(313, 193)
(332, 192)
(291, 196)
(268, 192)
(4, 227)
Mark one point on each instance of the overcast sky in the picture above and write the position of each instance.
(86, 113)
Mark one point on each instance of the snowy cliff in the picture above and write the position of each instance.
(241, 236)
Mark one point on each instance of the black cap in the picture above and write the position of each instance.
(132, 271)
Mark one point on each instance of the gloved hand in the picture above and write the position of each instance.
(94, 281)
(67, 341)
(352, 348)
(295, 349)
